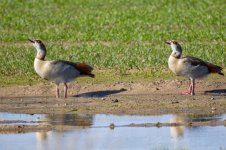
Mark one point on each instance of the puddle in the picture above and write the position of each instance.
(73, 131)
(12, 118)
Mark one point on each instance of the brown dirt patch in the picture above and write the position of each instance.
(140, 98)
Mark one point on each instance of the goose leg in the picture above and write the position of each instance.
(188, 91)
(65, 90)
(57, 91)
(193, 87)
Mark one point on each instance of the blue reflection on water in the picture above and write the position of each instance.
(205, 137)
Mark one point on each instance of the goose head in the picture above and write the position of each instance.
(40, 47)
(176, 48)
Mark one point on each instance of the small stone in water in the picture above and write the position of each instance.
(112, 126)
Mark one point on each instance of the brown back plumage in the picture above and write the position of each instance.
(84, 69)
(214, 69)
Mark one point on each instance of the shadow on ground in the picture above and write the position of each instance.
(217, 91)
(100, 93)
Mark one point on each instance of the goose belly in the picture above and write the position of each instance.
(56, 73)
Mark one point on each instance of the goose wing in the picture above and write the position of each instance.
(198, 66)
(83, 68)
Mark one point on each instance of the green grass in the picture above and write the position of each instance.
(119, 35)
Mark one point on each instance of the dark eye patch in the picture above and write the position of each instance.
(174, 42)
(38, 41)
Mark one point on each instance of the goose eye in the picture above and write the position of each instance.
(174, 42)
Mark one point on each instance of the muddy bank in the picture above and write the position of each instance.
(8, 129)
(140, 98)
(133, 105)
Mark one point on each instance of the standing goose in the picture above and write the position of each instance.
(191, 67)
(58, 71)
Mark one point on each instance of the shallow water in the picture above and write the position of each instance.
(93, 132)
(21, 117)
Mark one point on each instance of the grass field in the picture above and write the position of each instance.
(122, 36)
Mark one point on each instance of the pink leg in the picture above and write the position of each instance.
(188, 91)
(65, 90)
(57, 91)
(193, 87)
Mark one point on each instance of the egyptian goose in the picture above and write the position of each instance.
(58, 71)
(191, 67)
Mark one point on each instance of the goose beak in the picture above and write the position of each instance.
(31, 41)
(168, 42)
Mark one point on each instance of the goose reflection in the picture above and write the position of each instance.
(62, 123)
(177, 131)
